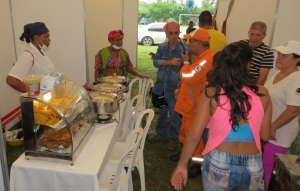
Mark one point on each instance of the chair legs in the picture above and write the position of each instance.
(130, 185)
(141, 169)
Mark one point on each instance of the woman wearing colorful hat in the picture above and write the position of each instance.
(282, 87)
(33, 61)
(114, 59)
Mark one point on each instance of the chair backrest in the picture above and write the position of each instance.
(149, 114)
(137, 79)
(143, 89)
(147, 83)
(129, 115)
(132, 143)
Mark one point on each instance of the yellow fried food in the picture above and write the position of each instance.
(54, 144)
(40, 118)
(46, 112)
(59, 135)
(52, 121)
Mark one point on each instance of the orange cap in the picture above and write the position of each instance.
(165, 27)
(198, 34)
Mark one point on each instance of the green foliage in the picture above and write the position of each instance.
(163, 10)
(208, 5)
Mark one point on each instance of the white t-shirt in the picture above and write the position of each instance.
(283, 93)
(24, 67)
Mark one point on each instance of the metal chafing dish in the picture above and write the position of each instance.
(115, 79)
(105, 105)
(57, 123)
(110, 88)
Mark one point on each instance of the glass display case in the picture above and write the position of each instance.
(57, 123)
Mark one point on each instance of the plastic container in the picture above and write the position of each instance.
(15, 142)
(32, 83)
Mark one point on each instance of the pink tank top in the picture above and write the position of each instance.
(220, 126)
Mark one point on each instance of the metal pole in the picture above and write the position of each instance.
(3, 161)
(274, 23)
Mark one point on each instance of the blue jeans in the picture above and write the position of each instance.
(224, 171)
(161, 128)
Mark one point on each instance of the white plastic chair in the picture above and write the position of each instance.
(114, 176)
(144, 85)
(132, 82)
(116, 153)
(129, 116)
(147, 83)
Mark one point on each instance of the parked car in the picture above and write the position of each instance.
(153, 34)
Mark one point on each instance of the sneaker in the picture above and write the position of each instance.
(155, 138)
(172, 144)
(195, 170)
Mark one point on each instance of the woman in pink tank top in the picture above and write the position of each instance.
(239, 116)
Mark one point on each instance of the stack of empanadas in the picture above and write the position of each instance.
(56, 138)
(46, 116)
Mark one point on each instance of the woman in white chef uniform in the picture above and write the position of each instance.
(33, 61)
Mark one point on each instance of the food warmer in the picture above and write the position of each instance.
(110, 88)
(105, 106)
(57, 123)
(115, 79)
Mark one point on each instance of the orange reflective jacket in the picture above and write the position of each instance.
(193, 75)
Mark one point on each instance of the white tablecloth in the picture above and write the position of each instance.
(37, 175)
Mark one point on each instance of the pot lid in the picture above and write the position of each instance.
(113, 79)
(103, 97)
(108, 87)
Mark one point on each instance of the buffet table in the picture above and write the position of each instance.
(29, 175)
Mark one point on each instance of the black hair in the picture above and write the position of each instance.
(297, 56)
(205, 18)
(28, 37)
(232, 75)
(216, 58)
(214, 63)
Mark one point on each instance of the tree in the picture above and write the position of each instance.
(208, 5)
(161, 11)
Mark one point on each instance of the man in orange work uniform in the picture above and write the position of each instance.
(193, 77)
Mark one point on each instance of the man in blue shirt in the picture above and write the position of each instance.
(168, 61)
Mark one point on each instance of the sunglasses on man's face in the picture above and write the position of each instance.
(173, 33)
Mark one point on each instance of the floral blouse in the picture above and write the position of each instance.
(114, 63)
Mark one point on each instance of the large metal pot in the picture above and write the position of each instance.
(105, 103)
(114, 79)
(109, 88)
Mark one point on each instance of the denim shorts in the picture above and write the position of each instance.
(225, 171)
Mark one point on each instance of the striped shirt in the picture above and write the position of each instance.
(262, 58)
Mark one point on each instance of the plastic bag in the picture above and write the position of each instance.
(51, 80)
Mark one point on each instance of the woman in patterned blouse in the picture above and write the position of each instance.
(114, 59)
